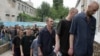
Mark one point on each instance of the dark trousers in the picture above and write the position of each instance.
(64, 54)
(26, 54)
(17, 54)
(51, 54)
(88, 53)
(82, 55)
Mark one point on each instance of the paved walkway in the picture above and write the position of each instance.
(8, 53)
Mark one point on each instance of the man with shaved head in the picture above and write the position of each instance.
(82, 32)
(62, 36)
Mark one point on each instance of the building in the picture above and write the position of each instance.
(25, 7)
(10, 9)
(81, 5)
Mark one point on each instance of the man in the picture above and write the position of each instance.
(16, 30)
(26, 43)
(34, 46)
(62, 36)
(46, 39)
(82, 31)
(16, 43)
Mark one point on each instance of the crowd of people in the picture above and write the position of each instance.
(19, 35)
(73, 36)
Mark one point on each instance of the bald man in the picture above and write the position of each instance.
(82, 32)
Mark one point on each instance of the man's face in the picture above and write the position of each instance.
(73, 13)
(28, 32)
(21, 32)
(50, 22)
(92, 10)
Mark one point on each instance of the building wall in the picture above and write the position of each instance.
(24, 7)
(79, 7)
(9, 9)
(98, 16)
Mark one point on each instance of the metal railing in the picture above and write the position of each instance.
(4, 39)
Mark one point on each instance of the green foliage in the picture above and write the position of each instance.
(53, 13)
(56, 13)
(43, 11)
(57, 3)
(60, 13)
(27, 18)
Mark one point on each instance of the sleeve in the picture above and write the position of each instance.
(32, 45)
(54, 37)
(73, 27)
(33, 37)
(93, 27)
(59, 27)
(40, 38)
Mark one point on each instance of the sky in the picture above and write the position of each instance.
(67, 3)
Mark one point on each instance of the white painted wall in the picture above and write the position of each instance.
(6, 8)
(79, 7)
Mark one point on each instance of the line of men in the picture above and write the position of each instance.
(74, 35)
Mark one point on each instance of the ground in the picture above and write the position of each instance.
(8, 53)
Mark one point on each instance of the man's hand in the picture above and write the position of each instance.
(22, 54)
(56, 50)
(70, 51)
(12, 53)
(40, 54)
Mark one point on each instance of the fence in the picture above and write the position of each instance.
(4, 39)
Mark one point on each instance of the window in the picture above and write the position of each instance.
(30, 11)
(18, 6)
(7, 14)
(22, 8)
(14, 0)
(25, 8)
(13, 15)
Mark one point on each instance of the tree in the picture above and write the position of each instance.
(57, 3)
(43, 11)
(27, 18)
(53, 13)
(60, 13)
